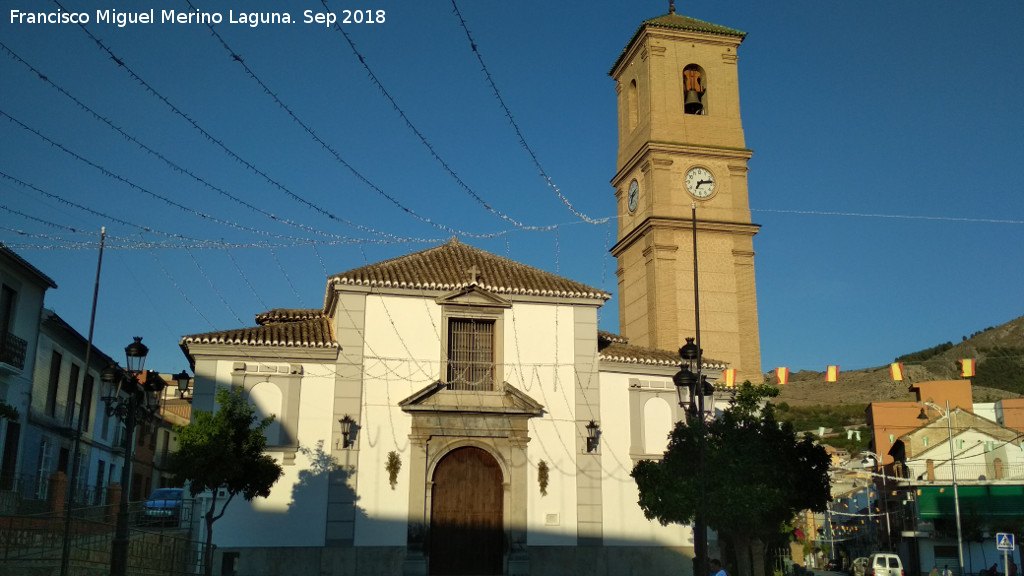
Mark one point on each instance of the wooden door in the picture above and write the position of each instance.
(466, 534)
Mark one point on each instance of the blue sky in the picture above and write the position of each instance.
(888, 142)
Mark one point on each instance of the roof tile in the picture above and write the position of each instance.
(447, 267)
(315, 333)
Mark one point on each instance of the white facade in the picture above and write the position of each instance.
(383, 365)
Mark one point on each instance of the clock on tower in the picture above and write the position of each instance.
(681, 144)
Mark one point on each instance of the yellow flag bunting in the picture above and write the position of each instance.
(896, 370)
(967, 368)
(782, 374)
(832, 373)
(730, 377)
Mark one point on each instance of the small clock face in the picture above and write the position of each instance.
(634, 195)
(700, 183)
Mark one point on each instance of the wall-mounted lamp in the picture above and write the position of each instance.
(592, 432)
(346, 431)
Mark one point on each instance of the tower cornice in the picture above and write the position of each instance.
(653, 224)
(653, 148)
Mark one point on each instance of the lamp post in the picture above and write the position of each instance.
(129, 409)
(696, 386)
(868, 463)
(952, 465)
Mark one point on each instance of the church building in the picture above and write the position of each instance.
(451, 411)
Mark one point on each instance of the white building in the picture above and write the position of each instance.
(471, 380)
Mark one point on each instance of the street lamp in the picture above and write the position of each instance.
(134, 405)
(952, 464)
(870, 463)
(183, 380)
(697, 386)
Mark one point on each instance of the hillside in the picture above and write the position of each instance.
(999, 352)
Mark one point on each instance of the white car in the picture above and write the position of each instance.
(884, 564)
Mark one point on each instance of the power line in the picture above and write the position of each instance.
(515, 126)
(174, 166)
(224, 147)
(323, 144)
(423, 139)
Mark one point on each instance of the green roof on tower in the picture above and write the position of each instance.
(679, 22)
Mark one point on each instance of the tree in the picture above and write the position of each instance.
(224, 450)
(758, 475)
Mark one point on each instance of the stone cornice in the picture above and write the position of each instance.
(654, 147)
(651, 224)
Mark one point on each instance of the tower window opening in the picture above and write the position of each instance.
(694, 90)
(633, 110)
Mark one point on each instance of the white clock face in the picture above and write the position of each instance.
(634, 195)
(700, 183)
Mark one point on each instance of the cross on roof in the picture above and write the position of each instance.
(473, 271)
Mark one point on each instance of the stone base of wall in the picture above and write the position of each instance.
(542, 561)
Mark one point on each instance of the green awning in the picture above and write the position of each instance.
(937, 501)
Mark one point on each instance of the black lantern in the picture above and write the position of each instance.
(182, 378)
(685, 380)
(346, 431)
(136, 353)
(689, 351)
(592, 432)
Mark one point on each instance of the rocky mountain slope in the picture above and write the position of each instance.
(999, 352)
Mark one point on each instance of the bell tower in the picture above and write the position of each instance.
(681, 144)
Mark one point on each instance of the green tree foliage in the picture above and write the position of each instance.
(224, 450)
(1002, 368)
(925, 354)
(758, 475)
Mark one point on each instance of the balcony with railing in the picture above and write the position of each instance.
(12, 353)
(993, 471)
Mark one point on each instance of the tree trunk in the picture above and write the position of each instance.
(757, 556)
(208, 545)
(741, 544)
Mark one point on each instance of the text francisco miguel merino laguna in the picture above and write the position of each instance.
(253, 19)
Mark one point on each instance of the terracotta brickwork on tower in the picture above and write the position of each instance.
(681, 143)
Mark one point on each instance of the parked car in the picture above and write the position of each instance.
(884, 564)
(834, 565)
(858, 567)
(163, 507)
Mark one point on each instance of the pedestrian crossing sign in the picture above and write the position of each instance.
(1004, 541)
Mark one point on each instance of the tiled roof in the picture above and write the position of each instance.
(627, 354)
(447, 267)
(285, 315)
(614, 348)
(678, 22)
(314, 333)
(606, 338)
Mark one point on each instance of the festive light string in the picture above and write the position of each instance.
(174, 166)
(220, 295)
(423, 139)
(142, 189)
(323, 144)
(515, 126)
(227, 150)
(287, 278)
(246, 279)
(67, 202)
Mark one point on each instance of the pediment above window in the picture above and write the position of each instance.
(473, 295)
(438, 397)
